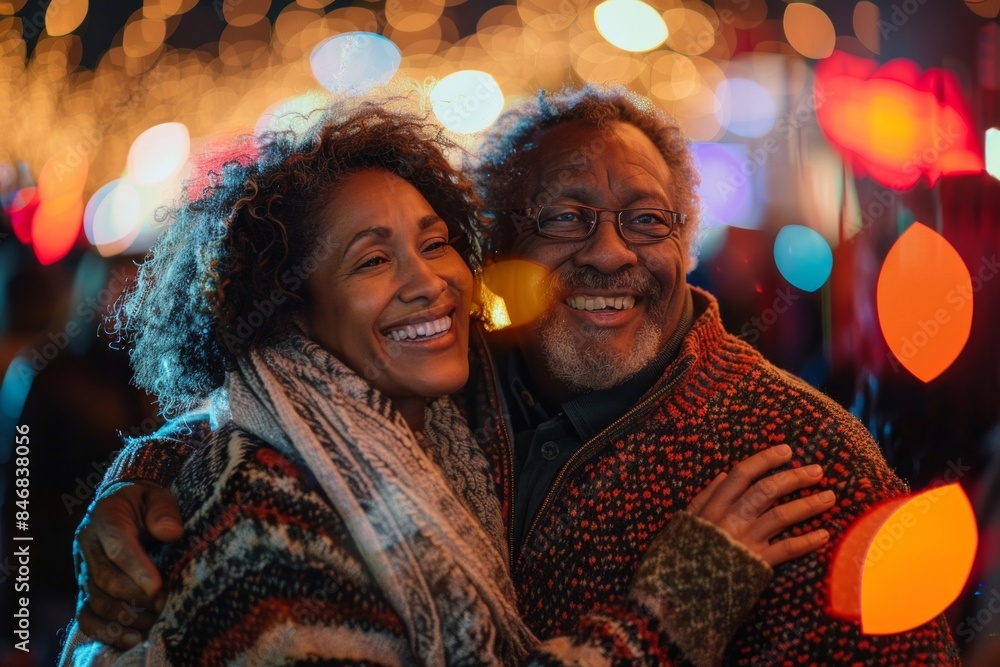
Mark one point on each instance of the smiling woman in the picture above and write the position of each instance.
(317, 297)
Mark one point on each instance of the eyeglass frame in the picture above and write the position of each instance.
(534, 212)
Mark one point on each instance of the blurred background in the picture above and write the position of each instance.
(851, 213)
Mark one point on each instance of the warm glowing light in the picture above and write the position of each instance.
(690, 32)
(244, 12)
(925, 301)
(905, 561)
(895, 122)
(56, 228)
(986, 8)
(674, 76)
(63, 177)
(630, 25)
(993, 152)
(65, 16)
(355, 62)
(866, 25)
(747, 108)
(803, 257)
(158, 153)
(296, 114)
(467, 101)
(809, 30)
(413, 15)
(521, 285)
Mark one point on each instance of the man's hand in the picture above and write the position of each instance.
(741, 503)
(121, 583)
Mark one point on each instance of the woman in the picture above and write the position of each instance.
(319, 297)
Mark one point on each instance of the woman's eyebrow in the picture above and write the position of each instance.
(377, 232)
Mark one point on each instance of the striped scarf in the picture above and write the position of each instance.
(421, 509)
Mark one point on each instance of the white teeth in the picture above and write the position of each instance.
(422, 330)
(581, 302)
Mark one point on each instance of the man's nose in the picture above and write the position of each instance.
(606, 250)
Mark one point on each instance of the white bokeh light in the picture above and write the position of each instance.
(467, 101)
(354, 62)
(630, 25)
(158, 153)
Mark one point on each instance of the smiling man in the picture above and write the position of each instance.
(627, 395)
(604, 419)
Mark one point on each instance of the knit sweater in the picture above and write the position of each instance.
(267, 573)
(718, 403)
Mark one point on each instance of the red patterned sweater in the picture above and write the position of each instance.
(719, 402)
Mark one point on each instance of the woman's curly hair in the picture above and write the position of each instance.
(230, 271)
(506, 154)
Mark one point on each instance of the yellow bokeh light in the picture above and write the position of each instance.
(630, 25)
(674, 77)
(989, 9)
(809, 30)
(520, 284)
(742, 14)
(62, 18)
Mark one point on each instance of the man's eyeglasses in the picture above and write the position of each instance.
(573, 222)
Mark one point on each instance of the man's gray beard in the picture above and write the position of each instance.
(579, 355)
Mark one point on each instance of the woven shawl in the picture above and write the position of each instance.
(421, 508)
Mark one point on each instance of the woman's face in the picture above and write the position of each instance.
(390, 297)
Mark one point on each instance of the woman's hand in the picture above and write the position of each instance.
(742, 503)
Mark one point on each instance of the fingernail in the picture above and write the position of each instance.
(822, 535)
(815, 470)
(826, 496)
(159, 603)
(131, 638)
(784, 450)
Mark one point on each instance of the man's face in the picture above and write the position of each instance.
(580, 345)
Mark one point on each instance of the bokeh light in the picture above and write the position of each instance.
(55, 228)
(355, 62)
(467, 101)
(728, 179)
(890, 120)
(22, 212)
(866, 25)
(925, 302)
(746, 107)
(521, 286)
(158, 153)
(116, 217)
(65, 16)
(929, 538)
(993, 152)
(803, 257)
(809, 30)
(630, 25)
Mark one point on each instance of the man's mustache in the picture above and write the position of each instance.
(634, 280)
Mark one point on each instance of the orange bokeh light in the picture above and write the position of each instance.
(905, 561)
(896, 123)
(520, 284)
(56, 227)
(925, 300)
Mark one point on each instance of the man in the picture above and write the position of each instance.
(606, 417)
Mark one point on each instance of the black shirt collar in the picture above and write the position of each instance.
(591, 412)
